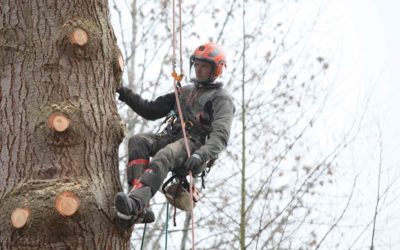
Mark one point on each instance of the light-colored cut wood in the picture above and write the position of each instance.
(121, 63)
(58, 122)
(67, 204)
(19, 217)
(79, 36)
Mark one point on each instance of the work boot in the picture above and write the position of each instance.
(127, 210)
(131, 208)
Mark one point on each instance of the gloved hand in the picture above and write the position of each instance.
(195, 164)
(123, 93)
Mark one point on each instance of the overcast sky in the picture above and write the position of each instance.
(374, 27)
(372, 40)
(363, 44)
(361, 39)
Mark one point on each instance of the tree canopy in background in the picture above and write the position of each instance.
(298, 190)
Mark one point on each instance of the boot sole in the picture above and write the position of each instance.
(124, 207)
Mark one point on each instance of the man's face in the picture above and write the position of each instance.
(203, 70)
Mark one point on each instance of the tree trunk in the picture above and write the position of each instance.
(60, 130)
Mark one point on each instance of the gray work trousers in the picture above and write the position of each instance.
(168, 154)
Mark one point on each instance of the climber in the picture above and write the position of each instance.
(208, 111)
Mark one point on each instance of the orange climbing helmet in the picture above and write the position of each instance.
(212, 53)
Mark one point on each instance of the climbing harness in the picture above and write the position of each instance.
(172, 125)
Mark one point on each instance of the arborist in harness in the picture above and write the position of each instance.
(208, 112)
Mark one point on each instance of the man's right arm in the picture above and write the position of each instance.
(150, 110)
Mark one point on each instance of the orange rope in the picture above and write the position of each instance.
(177, 79)
(180, 36)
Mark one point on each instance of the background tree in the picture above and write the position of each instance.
(60, 130)
(285, 92)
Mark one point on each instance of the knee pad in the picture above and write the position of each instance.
(135, 169)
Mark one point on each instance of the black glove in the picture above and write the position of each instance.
(123, 93)
(195, 164)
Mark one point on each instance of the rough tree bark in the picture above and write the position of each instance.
(60, 130)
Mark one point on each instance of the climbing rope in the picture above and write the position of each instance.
(166, 227)
(177, 80)
(144, 233)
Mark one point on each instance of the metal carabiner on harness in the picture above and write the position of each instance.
(188, 125)
(168, 122)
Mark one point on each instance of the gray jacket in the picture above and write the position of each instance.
(208, 107)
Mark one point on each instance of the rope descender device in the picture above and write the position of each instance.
(177, 78)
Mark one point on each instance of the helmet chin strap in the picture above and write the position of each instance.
(206, 84)
(195, 81)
